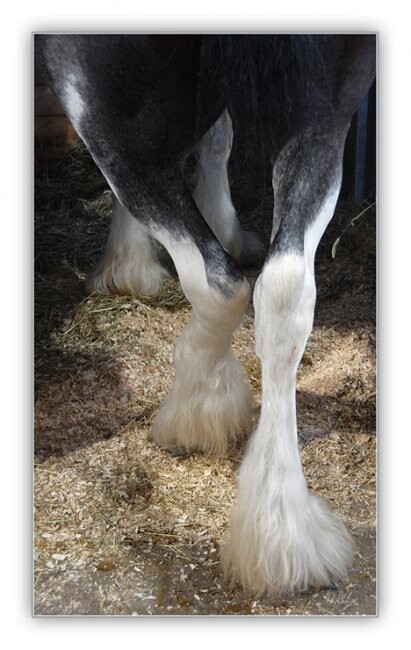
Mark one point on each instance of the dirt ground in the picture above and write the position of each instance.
(122, 527)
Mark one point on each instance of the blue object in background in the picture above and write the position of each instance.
(359, 181)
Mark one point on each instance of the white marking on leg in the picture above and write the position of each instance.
(129, 264)
(283, 538)
(213, 197)
(209, 405)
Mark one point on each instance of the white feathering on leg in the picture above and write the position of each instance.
(210, 403)
(282, 537)
(129, 264)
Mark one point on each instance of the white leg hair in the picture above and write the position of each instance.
(213, 197)
(282, 537)
(129, 264)
(210, 403)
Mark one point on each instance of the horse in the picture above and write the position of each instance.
(142, 104)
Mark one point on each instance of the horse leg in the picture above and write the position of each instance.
(210, 403)
(129, 264)
(213, 197)
(284, 538)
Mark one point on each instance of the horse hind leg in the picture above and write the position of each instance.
(210, 403)
(213, 197)
(284, 538)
